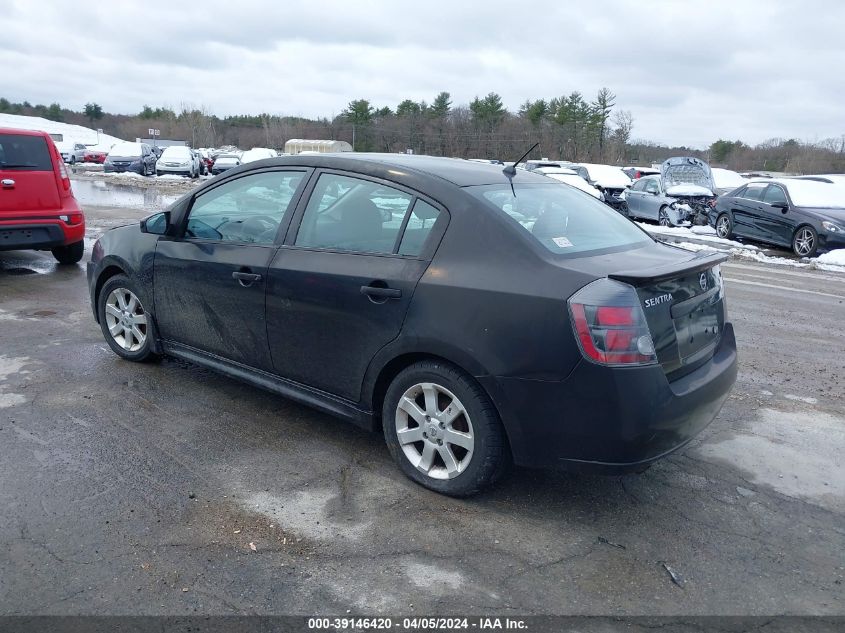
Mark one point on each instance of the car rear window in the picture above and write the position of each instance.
(561, 218)
(22, 152)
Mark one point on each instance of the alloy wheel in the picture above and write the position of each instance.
(804, 242)
(434, 431)
(126, 319)
(663, 219)
(723, 227)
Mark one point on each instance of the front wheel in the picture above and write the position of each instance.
(724, 226)
(805, 242)
(70, 253)
(663, 217)
(443, 431)
(124, 320)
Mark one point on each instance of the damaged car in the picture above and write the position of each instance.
(609, 180)
(681, 195)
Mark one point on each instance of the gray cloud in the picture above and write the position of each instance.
(690, 72)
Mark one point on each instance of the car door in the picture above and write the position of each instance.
(339, 288)
(746, 209)
(651, 200)
(633, 198)
(777, 222)
(210, 279)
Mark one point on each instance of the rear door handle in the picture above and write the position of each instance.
(246, 279)
(381, 293)
(7, 183)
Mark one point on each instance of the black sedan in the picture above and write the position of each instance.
(474, 315)
(807, 216)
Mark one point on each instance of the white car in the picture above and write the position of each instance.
(570, 178)
(257, 153)
(178, 160)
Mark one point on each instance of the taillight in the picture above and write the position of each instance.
(610, 325)
(64, 176)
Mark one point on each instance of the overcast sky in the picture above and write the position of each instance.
(690, 72)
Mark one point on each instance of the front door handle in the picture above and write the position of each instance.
(381, 293)
(7, 183)
(246, 279)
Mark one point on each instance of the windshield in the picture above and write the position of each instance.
(126, 149)
(564, 220)
(176, 152)
(814, 194)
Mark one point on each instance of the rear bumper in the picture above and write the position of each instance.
(39, 235)
(611, 420)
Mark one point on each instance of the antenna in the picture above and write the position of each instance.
(510, 170)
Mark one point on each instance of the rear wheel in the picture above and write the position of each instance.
(663, 217)
(724, 226)
(443, 431)
(70, 253)
(124, 320)
(805, 242)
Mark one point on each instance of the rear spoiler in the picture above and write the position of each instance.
(669, 271)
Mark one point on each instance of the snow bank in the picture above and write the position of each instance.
(836, 258)
(704, 233)
(71, 133)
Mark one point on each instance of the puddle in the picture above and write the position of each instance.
(17, 270)
(799, 454)
(125, 196)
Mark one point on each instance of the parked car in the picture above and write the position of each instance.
(725, 180)
(531, 165)
(807, 216)
(178, 160)
(635, 173)
(686, 191)
(473, 314)
(611, 181)
(224, 162)
(37, 207)
(134, 157)
(71, 152)
(91, 155)
(647, 199)
(257, 153)
(570, 178)
(206, 160)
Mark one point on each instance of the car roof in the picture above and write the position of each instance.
(457, 171)
(11, 130)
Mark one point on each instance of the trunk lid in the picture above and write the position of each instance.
(27, 177)
(683, 303)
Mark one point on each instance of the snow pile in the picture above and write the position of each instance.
(71, 133)
(833, 258)
(703, 233)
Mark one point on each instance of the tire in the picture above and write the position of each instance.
(70, 253)
(805, 242)
(119, 313)
(663, 217)
(158, 173)
(623, 209)
(73, 160)
(724, 226)
(479, 457)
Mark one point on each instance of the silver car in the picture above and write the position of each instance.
(646, 199)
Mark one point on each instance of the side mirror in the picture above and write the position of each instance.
(156, 224)
(783, 206)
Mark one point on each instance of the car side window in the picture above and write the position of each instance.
(248, 209)
(754, 191)
(350, 214)
(652, 186)
(419, 226)
(639, 185)
(774, 195)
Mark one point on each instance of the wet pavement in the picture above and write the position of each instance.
(139, 489)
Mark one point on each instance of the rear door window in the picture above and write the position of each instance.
(22, 152)
(419, 226)
(350, 214)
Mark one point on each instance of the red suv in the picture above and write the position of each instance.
(37, 207)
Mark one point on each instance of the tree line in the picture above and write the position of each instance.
(568, 127)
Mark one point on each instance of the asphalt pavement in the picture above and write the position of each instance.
(167, 489)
